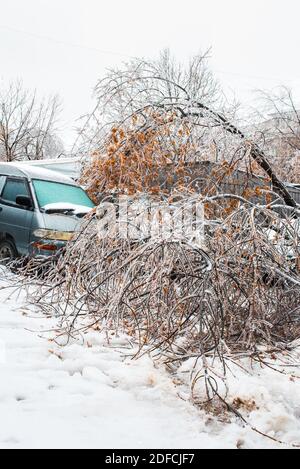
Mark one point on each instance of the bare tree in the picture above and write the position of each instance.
(114, 104)
(279, 130)
(153, 96)
(27, 125)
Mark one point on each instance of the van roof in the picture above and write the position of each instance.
(70, 167)
(51, 161)
(33, 172)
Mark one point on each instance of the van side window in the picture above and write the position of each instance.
(14, 188)
(2, 182)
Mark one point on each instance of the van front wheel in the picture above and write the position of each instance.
(8, 252)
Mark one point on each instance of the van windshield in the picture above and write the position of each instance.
(49, 193)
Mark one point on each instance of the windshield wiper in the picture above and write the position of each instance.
(51, 211)
(66, 209)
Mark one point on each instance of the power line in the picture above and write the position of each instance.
(66, 43)
(120, 54)
(256, 77)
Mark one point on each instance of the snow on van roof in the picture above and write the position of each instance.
(70, 167)
(34, 172)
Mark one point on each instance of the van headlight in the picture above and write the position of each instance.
(54, 235)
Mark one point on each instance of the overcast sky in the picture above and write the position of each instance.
(64, 46)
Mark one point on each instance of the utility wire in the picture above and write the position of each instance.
(120, 54)
(256, 77)
(66, 43)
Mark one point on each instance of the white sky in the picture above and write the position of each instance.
(55, 45)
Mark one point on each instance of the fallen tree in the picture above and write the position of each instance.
(238, 294)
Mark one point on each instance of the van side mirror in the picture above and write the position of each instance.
(24, 201)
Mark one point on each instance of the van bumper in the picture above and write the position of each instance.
(46, 248)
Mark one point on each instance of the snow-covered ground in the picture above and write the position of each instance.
(94, 396)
